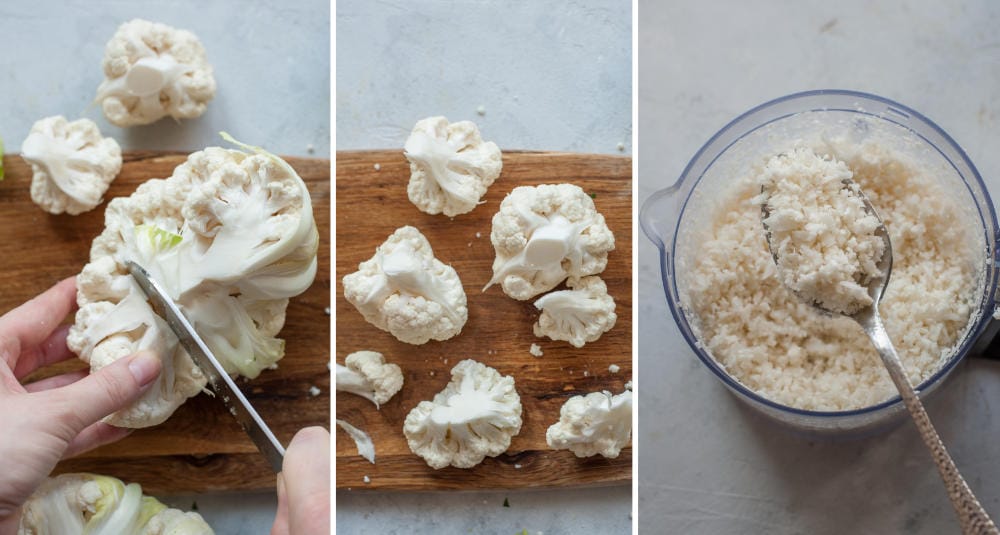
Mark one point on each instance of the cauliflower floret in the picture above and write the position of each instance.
(231, 236)
(578, 315)
(152, 70)
(72, 504)
(592, 424)
(475, 416)
(544, 234)
(450, 166)
(72, 164)
(368, 375)
(403, 289)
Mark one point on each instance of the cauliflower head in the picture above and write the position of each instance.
(578, 315)
(152, 70)
(368, 375)
(597, 423)
(544, 234)
(475, 416)
(450, 166)
(72, 164)
(404, 290)
(231, 237)
(74, 504)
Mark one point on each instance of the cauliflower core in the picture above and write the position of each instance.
(822, 236)
(73, 504)
(368, 375)
(450, 166)
(403, 289)
(475, 416)
(231, 237)
(544, 234)
(597, 423)
(152, 70)
(578, 315)
(72, 164)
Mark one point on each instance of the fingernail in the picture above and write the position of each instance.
(144, 367)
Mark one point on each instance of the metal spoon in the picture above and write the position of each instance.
(972, 518)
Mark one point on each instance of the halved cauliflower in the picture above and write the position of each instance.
(592, 424)
(544, 234)
(230, 236)
(72, 164)
(475, 416)
(450, 166)
(368, 375)
(153, 70)
(75, 504)
(403, 289)
(578, 315)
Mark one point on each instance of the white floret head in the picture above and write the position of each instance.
(474, 417)
(597, 423)
(545, 234)
(151, 71)
(367, 374)
(451, 167)
(408, 292)
(72, 164)
(578, 315)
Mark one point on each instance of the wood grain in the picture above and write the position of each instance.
(200, 448)
(371, 204)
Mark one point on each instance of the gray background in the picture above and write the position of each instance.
(272, 67)
(707, 464)
(551, 76)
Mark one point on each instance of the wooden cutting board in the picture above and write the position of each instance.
(200, 448)
(371, 204)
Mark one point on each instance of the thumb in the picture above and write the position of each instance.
(306, 475)
(107, 390)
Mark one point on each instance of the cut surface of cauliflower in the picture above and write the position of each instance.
(78, 504)
(474, 417)
(366, 448)
(231, 237)
(153, 70)
(578, 315)
(451, 166)
(545, 234)
(404, 290)
(597, 423)
(368, 375)
(72, 164)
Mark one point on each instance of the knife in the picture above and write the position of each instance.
(222, 384)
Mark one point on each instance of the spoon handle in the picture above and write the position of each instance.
(971, 516)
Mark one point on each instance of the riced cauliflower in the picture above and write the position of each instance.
(153, 70)
(404, 290)
(78, 504)
(231, 237)
(475, 416)
(368, 375)
(544, 234)
(597, 423)
(578, 315)
(450, 166)
(72, 164)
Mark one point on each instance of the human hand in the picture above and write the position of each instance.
(304, 485)
(57, 417)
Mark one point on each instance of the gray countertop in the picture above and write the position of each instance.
(548, 76)
(708, 464)
(272, 67)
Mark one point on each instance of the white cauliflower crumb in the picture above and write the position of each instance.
(326, 311)
(517, 466)
(479, 235)
(621, 147)
(408, 292)
(823, 238)
(72, 164)
(536, 350)
(578, 315)
(366, 479)
(597, 423)
(544, 234)
(377, 167)
(314, 391)
(310, 148)
(481, 110)
(152, 70)
(614, 368)
(628, 385)
(451, 166)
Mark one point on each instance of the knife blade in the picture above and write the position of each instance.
(222, 384)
